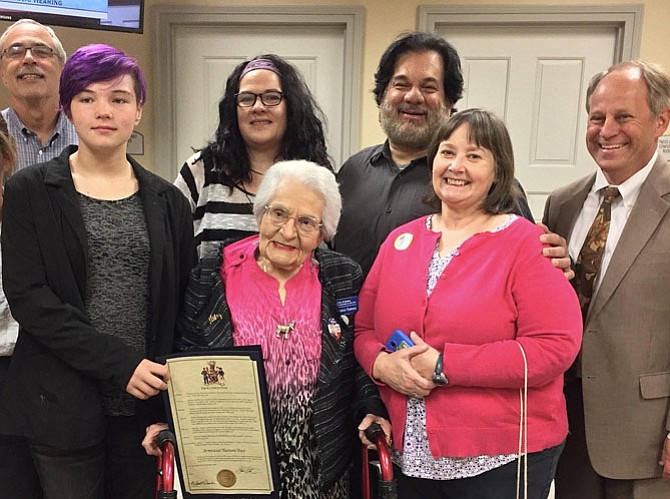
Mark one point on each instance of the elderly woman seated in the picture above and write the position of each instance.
(280, 290)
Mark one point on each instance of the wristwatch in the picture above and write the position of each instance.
(439, 378)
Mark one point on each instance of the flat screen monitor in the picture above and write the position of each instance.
(110, 15)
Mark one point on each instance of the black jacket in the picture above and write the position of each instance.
(344, 393)
(52, 392)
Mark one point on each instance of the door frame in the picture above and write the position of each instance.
(624, 20)
(627, 19)
(166, 20)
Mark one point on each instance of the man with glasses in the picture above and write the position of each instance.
(31, 60)
(32, 57)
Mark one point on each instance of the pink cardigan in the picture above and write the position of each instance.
(497, 293)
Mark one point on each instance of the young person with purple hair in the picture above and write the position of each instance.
(96, 252)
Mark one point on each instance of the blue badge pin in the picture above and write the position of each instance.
(348, 305)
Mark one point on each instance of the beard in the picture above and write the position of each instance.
(407, 134)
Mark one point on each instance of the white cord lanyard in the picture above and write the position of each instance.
(523, 431)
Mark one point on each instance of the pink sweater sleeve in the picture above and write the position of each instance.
(549, 328)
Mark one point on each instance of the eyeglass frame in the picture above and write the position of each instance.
(317, 225)
(24, 50)
(256, 96)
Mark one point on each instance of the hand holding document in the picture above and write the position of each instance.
(219, 411)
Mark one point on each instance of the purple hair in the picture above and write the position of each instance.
(98, 62)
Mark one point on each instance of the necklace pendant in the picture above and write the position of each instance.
(285, 330)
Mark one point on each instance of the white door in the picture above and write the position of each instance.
(535, 78)
(209, 54)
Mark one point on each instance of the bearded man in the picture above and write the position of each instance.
(417, 83)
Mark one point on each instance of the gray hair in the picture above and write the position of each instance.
(654, 76)
(318, 179)
(58, 46)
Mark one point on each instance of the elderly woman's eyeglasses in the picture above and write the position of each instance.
(37, 51)
(304, 224)
(269, 98)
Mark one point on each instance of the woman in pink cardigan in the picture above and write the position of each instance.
(494, 324)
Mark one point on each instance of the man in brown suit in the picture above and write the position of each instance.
(618, 445)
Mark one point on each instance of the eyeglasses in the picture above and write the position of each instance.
(304, 224)
(269, 98)
(37, 51)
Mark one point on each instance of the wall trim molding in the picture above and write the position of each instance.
(627, 19)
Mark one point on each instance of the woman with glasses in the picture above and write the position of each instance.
(96, 256)
(267, 114)
(280, 290)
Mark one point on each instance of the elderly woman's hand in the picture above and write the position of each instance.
(367, 421)
(149, 441)
(396, 370)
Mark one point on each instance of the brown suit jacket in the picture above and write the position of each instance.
(626, 345)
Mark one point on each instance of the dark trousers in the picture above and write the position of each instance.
(18, 478)
(499, 483)
(575, 477)
(116, 469)
(17, 472)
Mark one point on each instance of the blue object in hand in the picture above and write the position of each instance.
(397, 341)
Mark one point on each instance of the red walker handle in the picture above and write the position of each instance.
(165, 472)
(386, 488)
(375, 434)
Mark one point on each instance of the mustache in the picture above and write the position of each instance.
(30, 72)
(411, 108)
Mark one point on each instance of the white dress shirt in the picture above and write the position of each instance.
(9, 329)
(629, 191)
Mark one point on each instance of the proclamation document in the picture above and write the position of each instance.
(220, 414)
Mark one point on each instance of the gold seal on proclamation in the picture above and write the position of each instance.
(226, 478)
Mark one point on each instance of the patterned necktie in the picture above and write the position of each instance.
(591, 255)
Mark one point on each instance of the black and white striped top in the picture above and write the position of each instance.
(219, 212)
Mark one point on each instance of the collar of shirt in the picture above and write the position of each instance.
(61, 123)
(29, 147)
(621, 209)
(13, 121)
(629, 189)
(383, 156)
